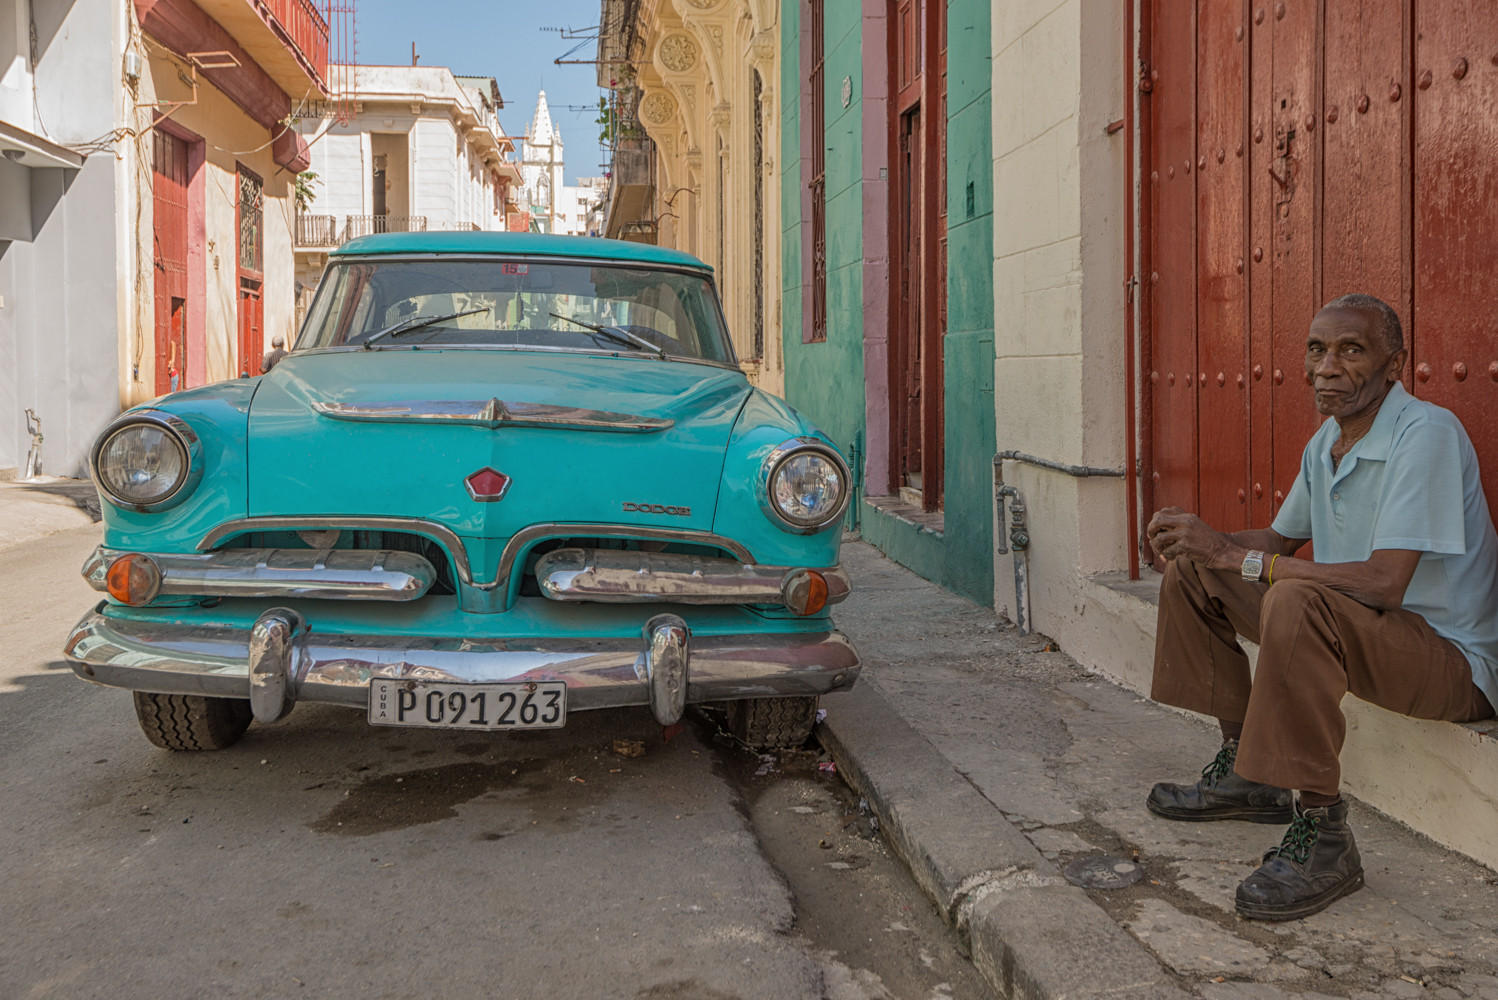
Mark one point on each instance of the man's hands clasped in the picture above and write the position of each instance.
(1174, 533)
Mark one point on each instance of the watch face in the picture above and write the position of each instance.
(1253, 566)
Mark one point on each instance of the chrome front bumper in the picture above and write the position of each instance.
(279, 662)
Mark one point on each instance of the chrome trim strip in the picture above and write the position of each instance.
(336, 669)
(789, 449)
(494, 413)
(177, 428)
(732, 366)
(611, 576)
(333, 574)
(441, 534)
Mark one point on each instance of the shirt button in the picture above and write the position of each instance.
(1336, 496)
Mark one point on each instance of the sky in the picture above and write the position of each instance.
(503, 39)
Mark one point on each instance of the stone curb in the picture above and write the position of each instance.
(1029, 932)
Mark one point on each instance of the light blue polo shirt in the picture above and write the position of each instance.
(1410, 483)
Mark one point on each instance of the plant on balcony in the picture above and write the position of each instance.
(303, 191)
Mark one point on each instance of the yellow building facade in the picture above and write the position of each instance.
(704, 76)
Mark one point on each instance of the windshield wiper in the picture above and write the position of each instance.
(618, 335)
(416, 323)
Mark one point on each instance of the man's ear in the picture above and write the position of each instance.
(1396, 364)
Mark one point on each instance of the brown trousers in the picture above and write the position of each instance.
(1315, 645)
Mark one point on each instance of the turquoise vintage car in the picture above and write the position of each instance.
(501, 478)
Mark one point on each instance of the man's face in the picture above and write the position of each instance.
(1349, 362)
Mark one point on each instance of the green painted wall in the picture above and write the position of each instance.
(826, 381)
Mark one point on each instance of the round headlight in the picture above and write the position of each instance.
(806, 485)
(146, 461)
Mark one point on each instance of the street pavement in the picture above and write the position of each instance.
(997, 767)
(323, 857)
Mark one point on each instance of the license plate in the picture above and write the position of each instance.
(435, 705)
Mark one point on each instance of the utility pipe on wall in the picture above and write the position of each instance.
(1018, 538)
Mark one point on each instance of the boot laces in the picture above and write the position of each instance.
(1221, 765)
(1299, 838)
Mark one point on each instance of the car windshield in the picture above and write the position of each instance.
(509, 302)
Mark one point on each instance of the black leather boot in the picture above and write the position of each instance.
(1221, 794)
(1316, 864)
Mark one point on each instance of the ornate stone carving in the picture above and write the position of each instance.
(678, 53)
(762, 47)
(657, 108)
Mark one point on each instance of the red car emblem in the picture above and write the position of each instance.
(487, 485)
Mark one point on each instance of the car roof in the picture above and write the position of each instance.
(529, 244)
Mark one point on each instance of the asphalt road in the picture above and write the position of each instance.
(322, 857)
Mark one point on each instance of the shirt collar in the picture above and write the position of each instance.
(1375, 445)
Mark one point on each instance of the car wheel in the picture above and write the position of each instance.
(191, 722)
(772, 723)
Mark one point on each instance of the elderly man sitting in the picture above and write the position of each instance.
(1400, 607)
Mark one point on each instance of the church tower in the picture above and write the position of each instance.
(541, 167)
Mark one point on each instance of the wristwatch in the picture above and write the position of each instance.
(1253, 566)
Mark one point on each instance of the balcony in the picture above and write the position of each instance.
(322, 232)
(632, 186)
(317, 231)
(286, 38)
(365, 225)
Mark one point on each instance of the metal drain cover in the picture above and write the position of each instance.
(1103, 871)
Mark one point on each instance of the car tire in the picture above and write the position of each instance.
(191, 722)
(772, 723)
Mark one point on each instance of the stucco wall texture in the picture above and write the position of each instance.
(829, 381)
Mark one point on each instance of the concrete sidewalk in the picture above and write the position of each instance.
(997, 766)
(33, 508)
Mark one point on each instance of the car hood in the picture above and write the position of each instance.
(583, 438)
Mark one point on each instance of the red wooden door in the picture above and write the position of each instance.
(251, 327)
(169, 232)
(918, 123)
(1454, 354)
(249, 215)
(1298, 152)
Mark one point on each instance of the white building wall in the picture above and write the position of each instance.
(60, 354)
(341, 162)
(1058, 283)
(434, 184)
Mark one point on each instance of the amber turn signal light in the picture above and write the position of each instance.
(806, 592)
(133, 579)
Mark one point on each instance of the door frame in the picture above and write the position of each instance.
(928, 94)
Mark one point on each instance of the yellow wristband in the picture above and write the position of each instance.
(1269, 576)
